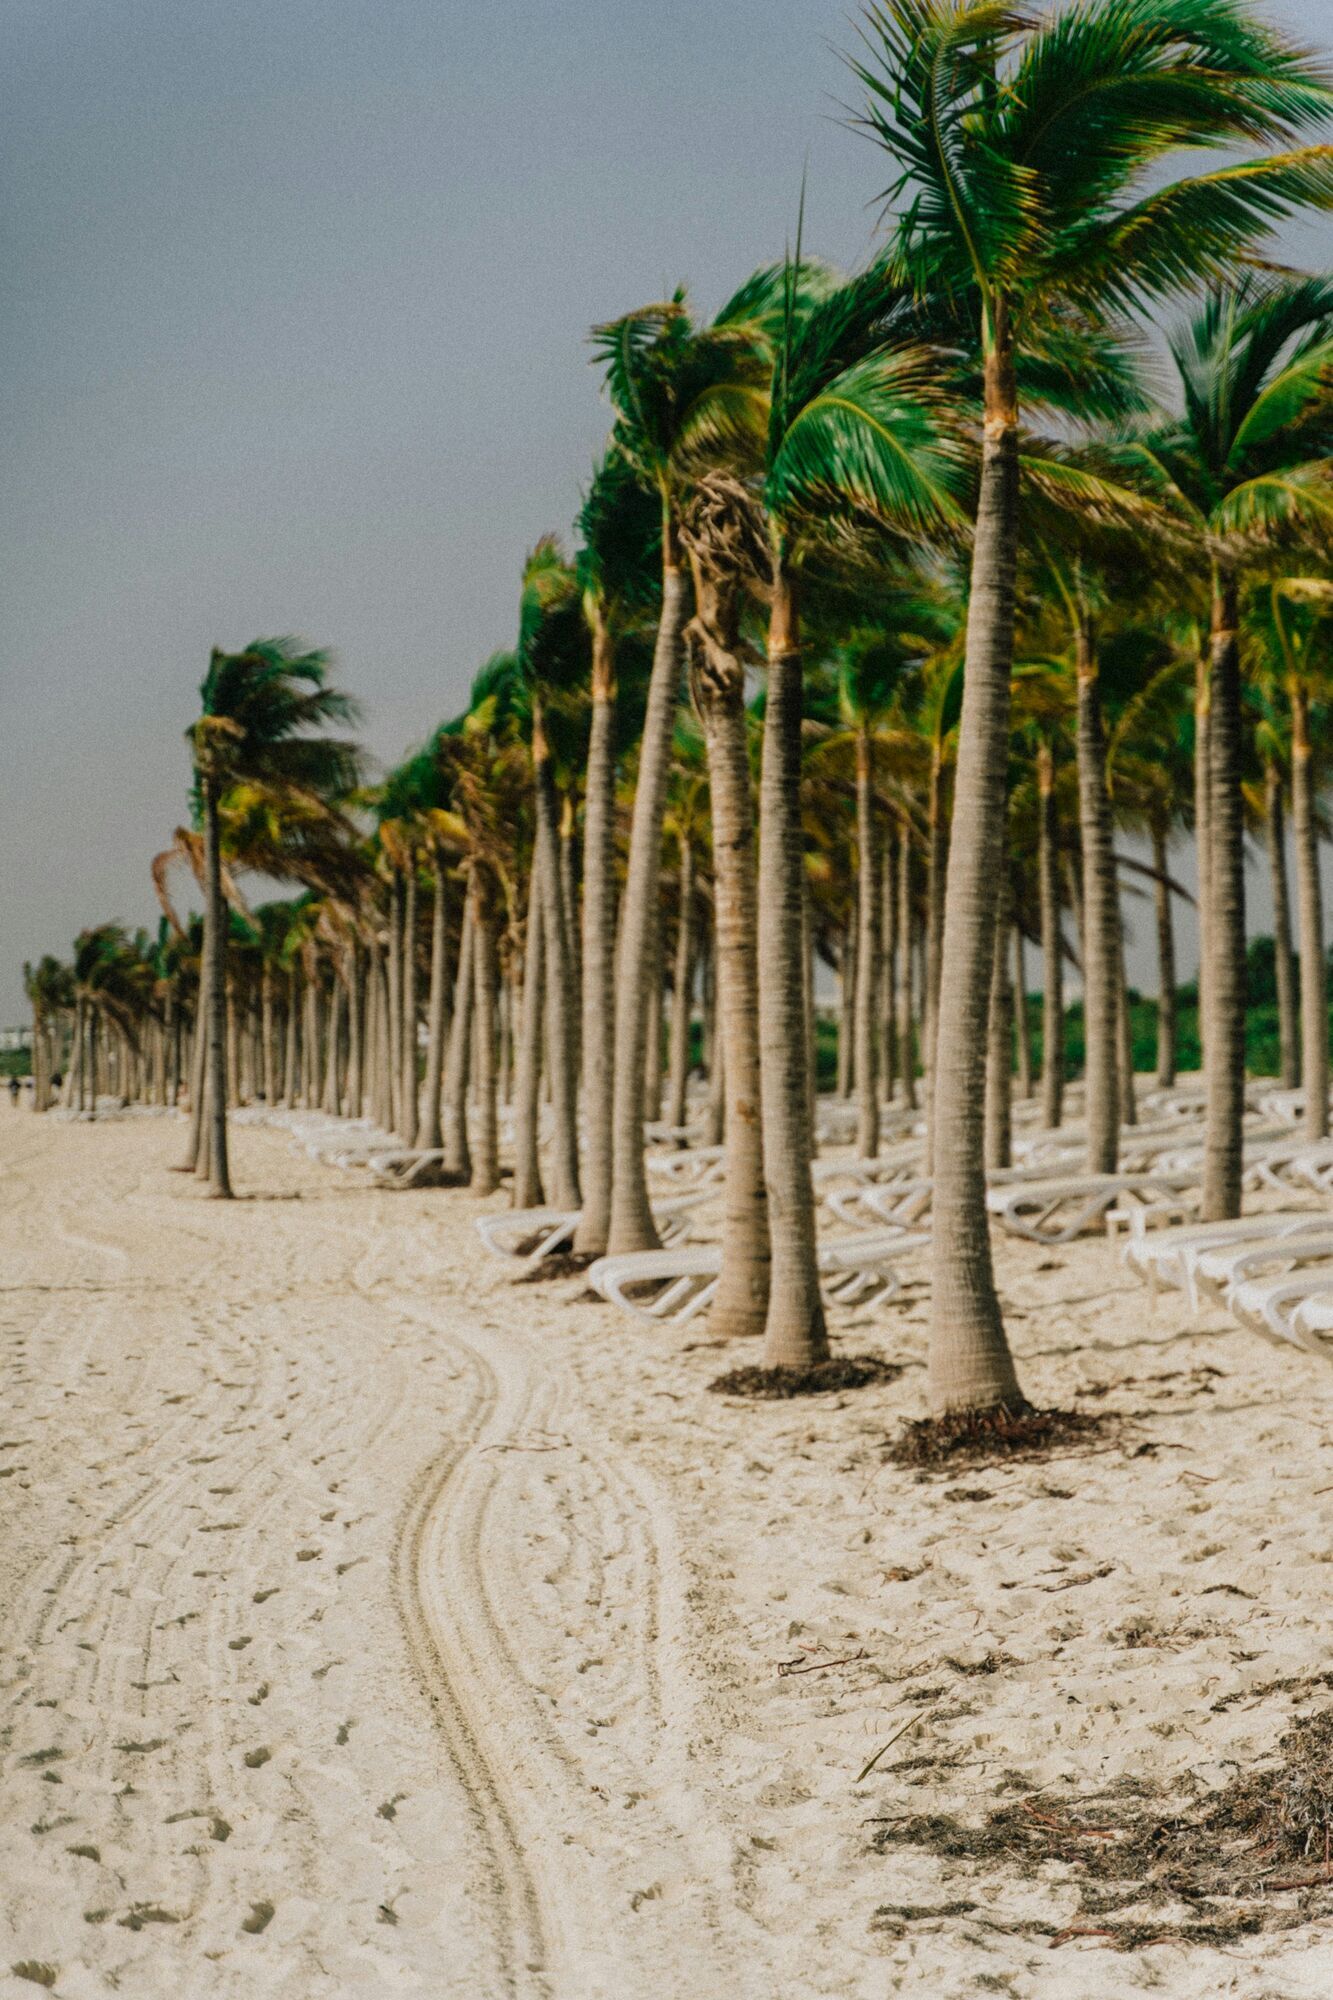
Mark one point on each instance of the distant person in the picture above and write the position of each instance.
(14, 1088)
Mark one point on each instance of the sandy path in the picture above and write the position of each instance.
(372, 1626)
(271, 1485)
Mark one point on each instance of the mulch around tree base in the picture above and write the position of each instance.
(987, 1437)
(842, 1371)
(560, 1264)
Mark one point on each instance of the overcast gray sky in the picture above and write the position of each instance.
(295, 341)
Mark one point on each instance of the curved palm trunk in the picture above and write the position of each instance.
(906, 1037)
(457, 1158)
(564, 1152)
(216, 999)
(1023, 1035)
(407, 1090)
(1166, 961)
(867, 956)
(970, 1363)
(599, 951)
(1000, 1050)
(527, 1189)
(794, 1332)
(428, 1134)
(485, 1152)
(740, 1303)
(1226, 917)
(1288, 1022)
(1314, 984)
(1101, 917)
(631, 1226)
(678, 1066)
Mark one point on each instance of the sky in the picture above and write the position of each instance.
(295, 341)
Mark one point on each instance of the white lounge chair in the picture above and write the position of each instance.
(1058, 1210)
(1171, 1257)
(533, 1233)
(852, 1270)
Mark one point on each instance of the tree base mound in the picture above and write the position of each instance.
(987, 1437)
(842, 1371)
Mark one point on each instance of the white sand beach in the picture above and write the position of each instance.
(372, 1626)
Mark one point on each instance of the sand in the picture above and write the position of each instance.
(370, 1626)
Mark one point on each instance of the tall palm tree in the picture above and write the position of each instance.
(261, 709)
(1021, 151)
(681, 392)
(619, 568)
(1247, 467)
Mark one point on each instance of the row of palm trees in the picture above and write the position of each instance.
(931, 547)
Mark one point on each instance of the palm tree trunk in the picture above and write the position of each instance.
(233, 1044)
(678, 1066)
(937, 869)
(1314, 980)
(1226, 916)
(599, 952)
(1284, 965)
(485, 1155)
(564, 1151)
(394, 966)
(356, 1030)
(569, 903)
(889, 967)
(409, 1092)
(93, 1025)
(652, 1053)
(1166, 960)
(1203, 837)
(266, 1034)
(1000, 1049)
(846, 1007)
(216, 997)
(740, 1303)
(457, 1158)
(867, 955)
(527, 1187)
(293, 1053)
(1129, 1110)
(428, 1135)
(195, 1144)
(1101, 921)
(794, 1332)
(1027, 1088)
(970, 1363)
(906, 1038)
(631, 1226)
(811, 1013)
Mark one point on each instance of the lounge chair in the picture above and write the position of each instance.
(1058, 1210)
(533, 1233)
(1172, 1257)
(854, 1269)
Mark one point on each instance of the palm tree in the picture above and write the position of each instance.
(1020, 152)
(260, 709)
(1290, 621)
(1246, 467)
(618, 567)
(680, 391)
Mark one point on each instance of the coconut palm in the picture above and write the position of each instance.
(261, 709)
(618, 567)
(1247, 467)
(1020, 153)
(682, 392)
